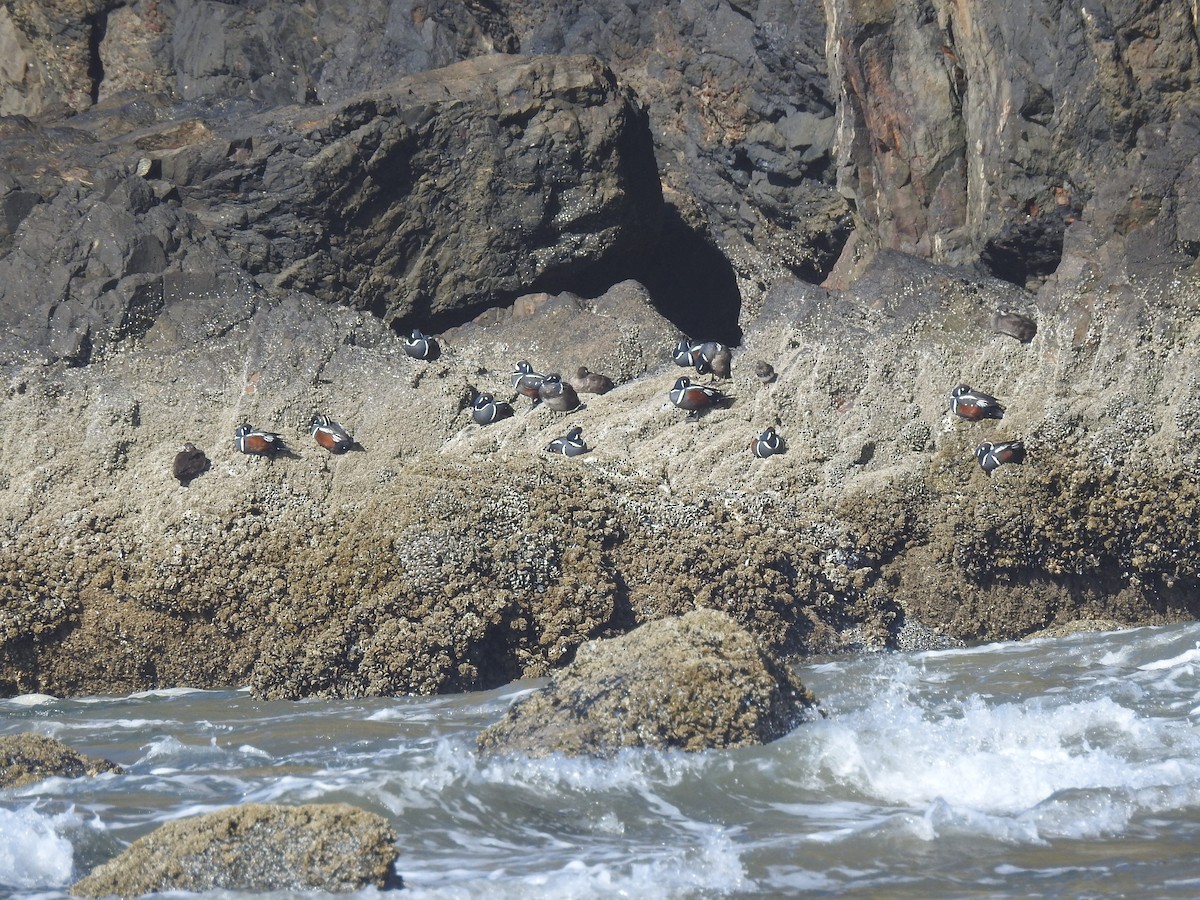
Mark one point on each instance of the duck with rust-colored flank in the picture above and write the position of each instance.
(993, 456)
(329, 434)
(570, 444)
(526, 381)
(586, 382)
(696, 398)
(248, 439)
(974, 405)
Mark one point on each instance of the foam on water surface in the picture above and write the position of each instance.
(33, 849)
(931, 774)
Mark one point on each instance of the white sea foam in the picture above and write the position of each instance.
(33, 852)
(1187, 660)
(166, 693)
(1064, 765)
(712, 865)
(31, 700)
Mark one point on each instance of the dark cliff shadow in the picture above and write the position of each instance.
(692, 283)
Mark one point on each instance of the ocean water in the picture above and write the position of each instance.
(1053, 768)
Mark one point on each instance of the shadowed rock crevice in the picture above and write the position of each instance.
(693, 284)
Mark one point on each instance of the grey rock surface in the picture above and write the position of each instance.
(437, 195)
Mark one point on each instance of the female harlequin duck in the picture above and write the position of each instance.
(487, 409)
(993, 456)
(570, 444)
(420, 346)
(526, 381)
(715, 358)
(696, 398)
(1014, 325)
(247, 439)
(767, 444)
(592, 382)
(330, 435)
(974, 405)
(764, 371)
(189, 462)
(557, 394)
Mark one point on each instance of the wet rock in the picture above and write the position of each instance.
(28, 758)
(1079, 626)
(694, 683)
(335, 848)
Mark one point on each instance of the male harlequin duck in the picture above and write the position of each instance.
(189, 462)
(686, 354)
(973, 405)
(557, 394)
(570, 444)
(696, 398)
(330, 435)
(1014, 325)
(764, 371)
(993, 456)
(592, 382)
(420, 346)
(767, 444)
(526, 381)
(258, 443)
(487, 409)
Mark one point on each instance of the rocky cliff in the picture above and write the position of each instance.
(216, 213)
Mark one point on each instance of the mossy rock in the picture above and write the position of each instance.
(256, 847)
(30, 758)
(695, 682)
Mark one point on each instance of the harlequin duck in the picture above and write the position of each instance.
(258, 443)
(420, 346)
(686, 354)
(557, 394)
(973, 405)
(592, 382)
(714, 357)
(526, 381)
(767, 444)
(330, 435)
(487, 409)
(1014, 325)
(189, 462)
(696, 397)
(570, 444)
(993, 456)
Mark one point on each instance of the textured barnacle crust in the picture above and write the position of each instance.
(692, 682)
(449, 556)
